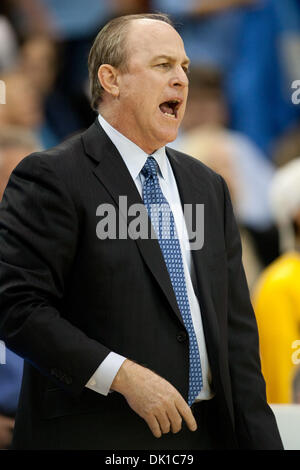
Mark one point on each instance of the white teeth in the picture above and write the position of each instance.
(171, 115)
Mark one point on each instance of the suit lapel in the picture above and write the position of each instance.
(115, 177)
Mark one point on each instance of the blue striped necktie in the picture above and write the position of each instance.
(163, 222)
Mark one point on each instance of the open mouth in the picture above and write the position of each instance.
(170, 108)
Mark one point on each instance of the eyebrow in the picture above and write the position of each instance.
(171, 59)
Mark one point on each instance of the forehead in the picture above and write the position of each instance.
(148, 38)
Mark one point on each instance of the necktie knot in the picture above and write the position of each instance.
(150, 168)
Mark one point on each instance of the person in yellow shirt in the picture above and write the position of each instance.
(276, 297)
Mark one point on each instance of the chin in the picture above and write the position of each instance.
(171, 137)
(168, 135)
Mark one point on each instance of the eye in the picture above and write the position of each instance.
(186, 69)
(164, 65)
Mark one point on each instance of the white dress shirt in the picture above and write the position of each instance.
(135, 158)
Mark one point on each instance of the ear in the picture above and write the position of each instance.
(108, 77)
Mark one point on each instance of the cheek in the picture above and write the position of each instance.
(183, 108)
(147, 108)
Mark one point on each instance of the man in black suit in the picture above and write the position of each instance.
(115, 357)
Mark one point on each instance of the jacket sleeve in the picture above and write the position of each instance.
(255, 423)
(38, 240)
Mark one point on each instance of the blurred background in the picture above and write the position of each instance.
(242, 120)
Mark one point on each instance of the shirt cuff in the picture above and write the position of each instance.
(104, 376)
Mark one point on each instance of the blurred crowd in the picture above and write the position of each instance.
(240, 120)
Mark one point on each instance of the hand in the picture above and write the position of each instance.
(153, 398)
(6, 429)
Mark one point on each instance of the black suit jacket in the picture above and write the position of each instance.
(68, 298)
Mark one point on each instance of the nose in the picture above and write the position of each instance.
(179, 78)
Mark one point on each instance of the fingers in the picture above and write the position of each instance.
(6, 428)
(153, 425)
(175, 420)
(158, 423)
(154, 399)
(186, 413)
(190, 420)
(162, 422)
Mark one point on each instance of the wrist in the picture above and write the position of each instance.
(121, 379)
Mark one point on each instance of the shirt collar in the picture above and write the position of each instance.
(133, 156)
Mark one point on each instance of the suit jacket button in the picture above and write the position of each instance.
(181, 337)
